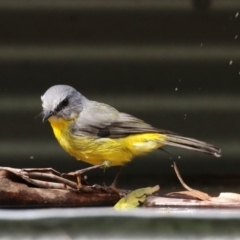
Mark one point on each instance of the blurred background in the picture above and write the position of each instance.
(175, 64)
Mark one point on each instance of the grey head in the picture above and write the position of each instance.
(62, 101)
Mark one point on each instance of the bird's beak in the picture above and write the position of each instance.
(47, 115)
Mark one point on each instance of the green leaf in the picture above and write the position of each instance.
(135, 198)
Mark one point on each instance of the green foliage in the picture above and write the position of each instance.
(135, 198)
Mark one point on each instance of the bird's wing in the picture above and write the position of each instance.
(101, 120)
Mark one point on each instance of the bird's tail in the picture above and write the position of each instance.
(192, 144)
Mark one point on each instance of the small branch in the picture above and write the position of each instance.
(62, 180)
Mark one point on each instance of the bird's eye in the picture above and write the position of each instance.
(62, 105)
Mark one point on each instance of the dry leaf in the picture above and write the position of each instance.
(227, 198)
(191, 192)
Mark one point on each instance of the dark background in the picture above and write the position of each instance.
(175, 64)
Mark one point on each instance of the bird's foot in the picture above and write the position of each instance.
(114, 189)
(110, 189)
(78, 173)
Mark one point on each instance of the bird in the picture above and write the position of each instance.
(99, 134)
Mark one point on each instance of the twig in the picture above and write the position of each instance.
(65, 181)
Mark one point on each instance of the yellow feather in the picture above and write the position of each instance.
(117, 151)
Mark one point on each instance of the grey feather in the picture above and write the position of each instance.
(98, 119)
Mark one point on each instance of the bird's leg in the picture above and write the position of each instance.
(114, 183)
(78, 173)
(112, 187)
(81, 171)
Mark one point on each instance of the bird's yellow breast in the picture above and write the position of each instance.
(94, 150)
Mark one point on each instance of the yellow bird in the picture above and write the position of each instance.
(97, 133)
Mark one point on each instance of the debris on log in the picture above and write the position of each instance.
(193, 198)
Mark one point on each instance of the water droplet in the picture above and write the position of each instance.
(179, 157)
(31, 157)
(230, 62)
(176, 89)
(201, 44)
(236, 36)
(236, 15)
(179, 80)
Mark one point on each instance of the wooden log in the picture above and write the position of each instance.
(16, 193)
